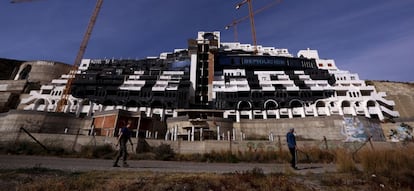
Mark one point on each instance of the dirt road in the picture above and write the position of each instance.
(78, 164)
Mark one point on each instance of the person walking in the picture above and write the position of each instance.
(123, 138)
(291, 142)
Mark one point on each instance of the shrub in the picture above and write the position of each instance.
(164, 152)
(103, 151)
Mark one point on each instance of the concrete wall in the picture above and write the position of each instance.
(312, 128)
(44, 71)
(306, 128)
(317, 128)
(42, 122)
(66, 141)
(73, 142)
(10, 91)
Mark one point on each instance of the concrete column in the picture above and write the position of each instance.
(327, 111)
(201, 134)
(264, 114)
(379, 112)
(162, 114)
(176, 132)
(218, 133)
(251, 114)
(166, 135)
(90, 110)
(228, 135)
(188, 135)
(271, 138)
(234, 134)
(290, 113)
(353, 111)
(172, 134)
(156, 135)
(366, 112)
(237, 116)
(341, 111)
(302, 112)
(277, 114)
(315, 111)
(148, 112)
(192, 133)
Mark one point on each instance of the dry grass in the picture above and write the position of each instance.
(42, 179)
(312, 155)
(344, 161)
(396, 166)
(372, 170)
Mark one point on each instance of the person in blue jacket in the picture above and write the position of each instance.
(123, 138)
(291, 142)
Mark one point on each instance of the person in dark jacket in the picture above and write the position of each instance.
(291, 142)
(123, 138)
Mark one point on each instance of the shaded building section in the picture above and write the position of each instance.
(18, 78)
(109, 123)
(150, 82)
(9, 68)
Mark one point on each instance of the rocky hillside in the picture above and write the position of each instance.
(403, 95)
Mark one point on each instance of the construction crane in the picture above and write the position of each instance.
(251, 16)
(79, 56)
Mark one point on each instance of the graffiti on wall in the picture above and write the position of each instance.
(401, 133)
(355, 130)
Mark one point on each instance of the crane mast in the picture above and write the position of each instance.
(251, 16)
(79, 56)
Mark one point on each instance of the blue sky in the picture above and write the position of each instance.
(374, 38)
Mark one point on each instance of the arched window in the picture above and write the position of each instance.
(270, 105)
(296, 103)
(345, 104)
(244, 105)
(371, 103)
(320, 104)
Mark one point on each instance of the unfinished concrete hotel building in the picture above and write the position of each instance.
(214, 79)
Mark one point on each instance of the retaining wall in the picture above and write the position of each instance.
(74, 142)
